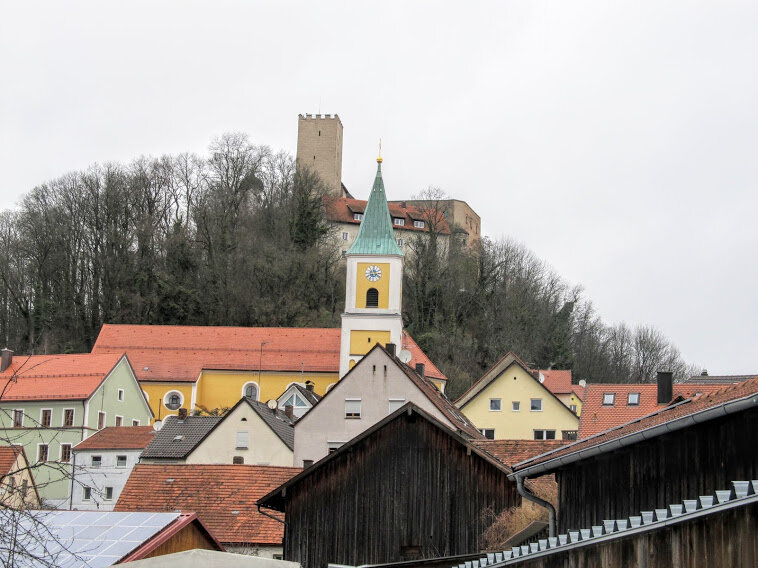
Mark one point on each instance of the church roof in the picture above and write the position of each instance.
(375, 235)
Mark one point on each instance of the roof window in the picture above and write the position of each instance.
(633, 399)
(609, 399)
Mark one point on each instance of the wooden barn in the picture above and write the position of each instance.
(691, 448)
(406, 488)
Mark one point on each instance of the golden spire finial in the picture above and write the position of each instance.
(379, 159)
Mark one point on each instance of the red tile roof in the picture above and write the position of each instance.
(223, 496)
(57, 377)
(515, 451)
(180, 353)
(597, 418)
(663, 415)
(118, 438)
(341, 210)
(8, 457)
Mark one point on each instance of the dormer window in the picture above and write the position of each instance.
(419, 224)
(357, 216)
(609, 399)
(399, 222)
(372, 298)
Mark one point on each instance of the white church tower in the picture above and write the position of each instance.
(374, 286)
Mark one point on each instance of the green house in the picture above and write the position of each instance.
(50, 403)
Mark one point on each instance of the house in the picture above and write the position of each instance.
(408, 487)
(102, 463)
(690, 448)
(559, 382)
(17, 487)
(509, 402)
(223, 496)
(177, 437)
(96, 539)
(300, 398)
(377, 386)
(609, 405)
(53, 402)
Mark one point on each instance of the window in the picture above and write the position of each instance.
(633, 399)
(68, 417)
(609, 399)
(238, 460)
(242, 440)
(96, 461)
(357, 216)
(536, 405)
(46, 418)
(488, 433)
(100, 420)
(573, 408)
(544, 434)
(42, 452)
(334, 446)
(352, 408)
(119, 420)
(250, 390)
(295, 401)
(135, 422)
(395, 404)
(24, 487)
(65, 453)
(86, 493)
(121, 394)
(120, 461)
(344, 253)
(399, 222)
(516, 406)
(109, 493)
(372, 298)
(306, 463)
(495, 405)
(173, 400)
(419, 224)
(18, 418)
(400, 242)
(345, 236)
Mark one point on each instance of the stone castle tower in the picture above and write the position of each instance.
(319, 146)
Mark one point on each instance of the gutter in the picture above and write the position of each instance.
(541, 502)
(712, 413)
(269, 515)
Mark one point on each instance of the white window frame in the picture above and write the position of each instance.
(116, 422)
(485, 430)
(332, 446)
(168, 395)
(499, 402)
(419, 224)
(357, 216)
(257, 390)
(92, 462)
(398, 403)
(544, 434)
(573, 408)
(41, 412)
(531, 404)
(515, 406)
(60, 453)
(126, 460)
(398, 221)
(242, 437)
(613, 398)
(135, 422)
(345, 235)
(73, 417)
(120, 395)
(23, 415)
(353, 415)
(400, 242)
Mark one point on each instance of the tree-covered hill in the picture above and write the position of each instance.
(238, 237)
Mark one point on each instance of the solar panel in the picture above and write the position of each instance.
(74, 539)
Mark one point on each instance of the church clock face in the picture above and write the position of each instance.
(373, 273)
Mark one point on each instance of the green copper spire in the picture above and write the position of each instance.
(375, 235)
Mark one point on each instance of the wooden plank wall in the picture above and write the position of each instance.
(655, 473)
(407, 489)
(729, 538)
(189, 538)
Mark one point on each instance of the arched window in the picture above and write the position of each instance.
(372, 298)
(173, 400)
(250, 391)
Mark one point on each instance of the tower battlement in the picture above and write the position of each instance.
(319, 147)
(320, 117)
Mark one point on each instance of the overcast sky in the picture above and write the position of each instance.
(617, 140)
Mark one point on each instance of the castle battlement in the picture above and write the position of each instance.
(319, 117)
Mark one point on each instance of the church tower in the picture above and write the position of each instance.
(374, 284)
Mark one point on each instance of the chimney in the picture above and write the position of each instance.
(420, 369)
(665, 387)
(309, 385)
(182, 414)
(6, 360)
(390, 347)
(288, 412)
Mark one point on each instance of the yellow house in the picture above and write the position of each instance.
(559, 382)
(509, 402)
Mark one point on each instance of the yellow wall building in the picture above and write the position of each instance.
(508, 402)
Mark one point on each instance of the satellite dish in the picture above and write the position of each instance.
(272, 404)
(404, 356)
(157, 425)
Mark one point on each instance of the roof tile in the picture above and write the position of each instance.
(118, 438)
(177, 438)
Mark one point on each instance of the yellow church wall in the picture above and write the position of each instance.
(382, 285)
(514, 384)
(221, 389)
(156, 392)
(361, 342)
